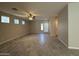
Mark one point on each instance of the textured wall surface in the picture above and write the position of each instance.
(63, 26)
(11, 31)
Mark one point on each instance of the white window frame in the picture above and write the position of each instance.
(5, 19)
(23, 22)
(16, 21)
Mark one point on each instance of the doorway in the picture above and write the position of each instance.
(44, 27)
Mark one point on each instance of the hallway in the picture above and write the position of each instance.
(36, 44)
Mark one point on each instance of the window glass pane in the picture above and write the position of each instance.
(16, 21)
(45, 27)
(41, 27)
(5, 19)
(23, 22)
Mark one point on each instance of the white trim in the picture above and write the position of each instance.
(62, 42)
(73, 47)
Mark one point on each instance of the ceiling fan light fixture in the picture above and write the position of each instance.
(30, 18)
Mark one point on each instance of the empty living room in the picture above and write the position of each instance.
(39, 29)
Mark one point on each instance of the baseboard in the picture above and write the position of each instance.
(63, 42)
(73, 48)
(11, 39)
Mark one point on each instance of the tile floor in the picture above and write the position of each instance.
(36, 45)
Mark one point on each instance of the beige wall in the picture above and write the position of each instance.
(52, 26)
(73, 22)
(35, 26)
(63, 26)
(11, 31)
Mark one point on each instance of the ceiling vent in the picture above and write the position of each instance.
(15, 9)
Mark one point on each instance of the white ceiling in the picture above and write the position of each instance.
(44, 9)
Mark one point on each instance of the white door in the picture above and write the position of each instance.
(44, 27)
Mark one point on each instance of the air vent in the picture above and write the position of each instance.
(15, 9)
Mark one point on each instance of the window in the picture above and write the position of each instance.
(16, 21)
(23, 22)
(46, 27)
(5, 19)
(41, 26)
